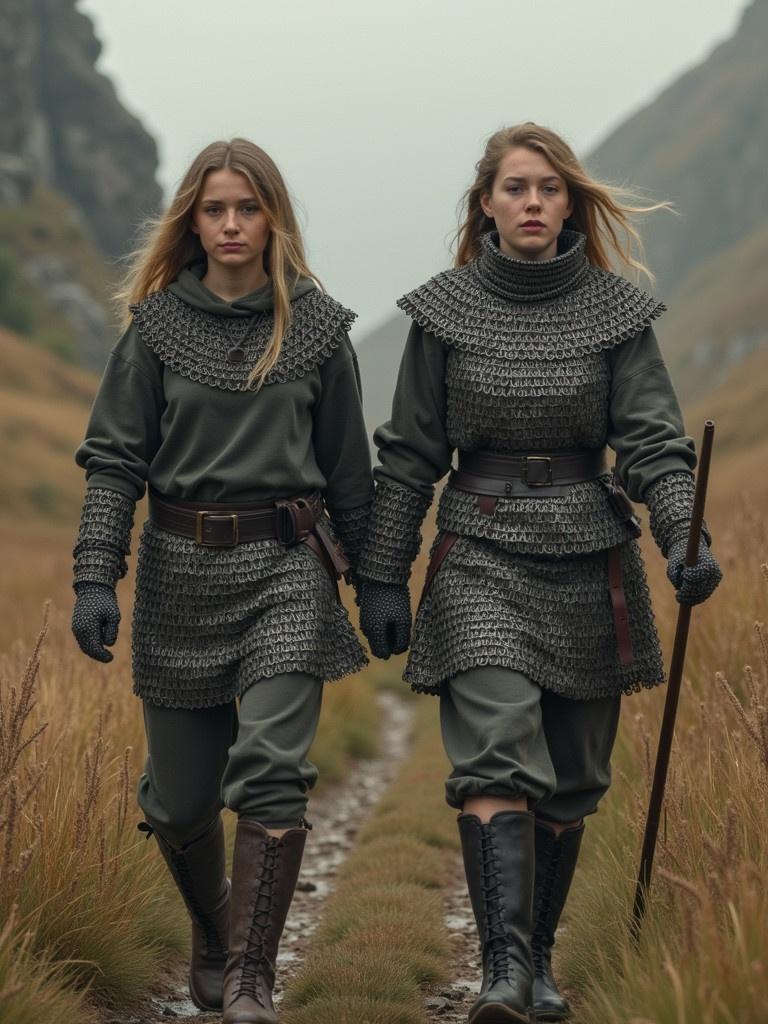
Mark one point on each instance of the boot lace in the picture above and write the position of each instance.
(255, 961)
(542, 937)
(496, 942)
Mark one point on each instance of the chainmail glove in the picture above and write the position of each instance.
(694, 583)
(385, 617)
(95, 620)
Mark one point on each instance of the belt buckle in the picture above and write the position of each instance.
(295, 520)
(200, 518)
(534, 478)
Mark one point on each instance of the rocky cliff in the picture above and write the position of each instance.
(77, 176)
(62, 124)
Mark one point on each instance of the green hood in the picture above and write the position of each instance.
(190, 289)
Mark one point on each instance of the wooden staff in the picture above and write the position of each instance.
(673, 693)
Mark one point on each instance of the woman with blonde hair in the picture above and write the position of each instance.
(527, 359)
(234, 396)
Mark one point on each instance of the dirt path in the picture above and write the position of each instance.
(450, 1003)
(336, 816)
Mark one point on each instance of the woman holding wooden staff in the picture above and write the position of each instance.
(527, 359)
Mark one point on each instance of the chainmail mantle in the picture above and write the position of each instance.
(221, 351)
(548, 309)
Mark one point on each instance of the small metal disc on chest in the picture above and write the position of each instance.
(236, 354)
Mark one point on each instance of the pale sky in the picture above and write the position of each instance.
(377, 113)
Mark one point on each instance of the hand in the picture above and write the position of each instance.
(385, 617)
(695, 583)
(95, 620)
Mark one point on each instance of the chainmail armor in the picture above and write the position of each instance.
(196, 344)
(351, 527)
(549, 618)
(104, 537)
(394, 533)
(208, 622)
(527, 371)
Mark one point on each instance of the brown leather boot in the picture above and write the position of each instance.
(198, 870)
(264, 874)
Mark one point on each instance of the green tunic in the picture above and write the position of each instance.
(173, 412)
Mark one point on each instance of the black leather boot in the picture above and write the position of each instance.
(264, 875)
(199, 872)
(499, 864)
(555, 864)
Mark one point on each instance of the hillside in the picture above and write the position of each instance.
(703, 144)
(44, 405)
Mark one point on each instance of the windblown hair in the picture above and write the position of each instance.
(602, 212)
(169, 244)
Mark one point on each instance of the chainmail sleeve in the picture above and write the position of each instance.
(103, 540)
(394, 533)
(351, 527)
(670, 504)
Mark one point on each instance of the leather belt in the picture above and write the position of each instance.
(523, 474)
(223, 525)
(297, 520)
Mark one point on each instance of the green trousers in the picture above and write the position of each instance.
(506, 736)
(251, 759)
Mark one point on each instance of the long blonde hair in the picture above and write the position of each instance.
(168, 243)
(601, 212)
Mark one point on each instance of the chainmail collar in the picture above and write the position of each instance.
(557, 308)
(532, 280)
(220, 349)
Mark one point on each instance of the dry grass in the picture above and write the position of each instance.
(703, 955)
(87, 915)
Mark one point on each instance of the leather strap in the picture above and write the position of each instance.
(492, 475)
(444, 545)
(619, 605)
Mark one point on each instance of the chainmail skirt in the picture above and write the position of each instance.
(209, 622)
(549, 618)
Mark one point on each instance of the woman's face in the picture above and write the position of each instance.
(529, 202)
(232, 226)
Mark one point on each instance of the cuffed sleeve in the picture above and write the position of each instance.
(123, 432)
(414, 453)
(645, 426)
(104, 537)
(670, 504)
